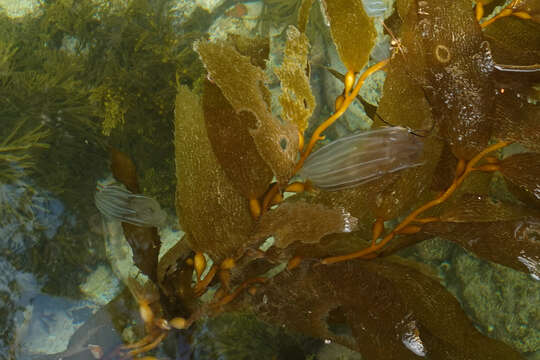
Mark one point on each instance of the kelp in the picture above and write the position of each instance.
(514, 41)
(517, 120)
(204, 194)
(302, 222)
(352, 30)
(228, 132)
(243, 85)
(297, 101)
(504, 233)
(395, 311)
(523, 171)
(174, 278)
(458, 74)
(367, 201)
(303, 15)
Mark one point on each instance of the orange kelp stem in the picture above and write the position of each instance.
(349, 98)
(403, 226)
(507, 11)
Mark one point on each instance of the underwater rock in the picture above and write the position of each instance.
(119, 252)
(101, 286)
(52, 322)
(502, 301)
(240, 19)
(16, 290)
(333, 351)
(25, 212)
(209, 5)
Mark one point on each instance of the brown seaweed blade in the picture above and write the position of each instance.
(510, 243)
(144, 241)
(234, 147)
(209, 208)
(504, 233)
(303, 222)
(352, 30)
(242, 83)
(481, 208)
(523, 171)
(403, 103)
(517, 120)
(458, 74)
(391, 311)
(296, 99)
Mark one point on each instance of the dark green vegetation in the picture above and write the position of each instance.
(80, 69)
(77, 78)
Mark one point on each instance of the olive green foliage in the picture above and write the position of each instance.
(81, 69)
(43, 105)
(15, 152)
(70, 72)
(138, 55)
(352, 30)
(296, 98)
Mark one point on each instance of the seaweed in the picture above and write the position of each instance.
(232, 143)
(242, 84)
(404, 306)
(353, 46)
(296, 99)
(204, 193)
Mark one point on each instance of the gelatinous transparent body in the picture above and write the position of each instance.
(115, 202)
(362, 157)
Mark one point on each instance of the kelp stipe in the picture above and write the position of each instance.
(363, 157)
(118, 203)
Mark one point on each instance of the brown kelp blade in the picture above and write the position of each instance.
(242, 83)
(208, 206)
(384, 309)
(352, 30)
(303, 222)
(517, 120)
(522, 171)
(503, 233)
(233, 145)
